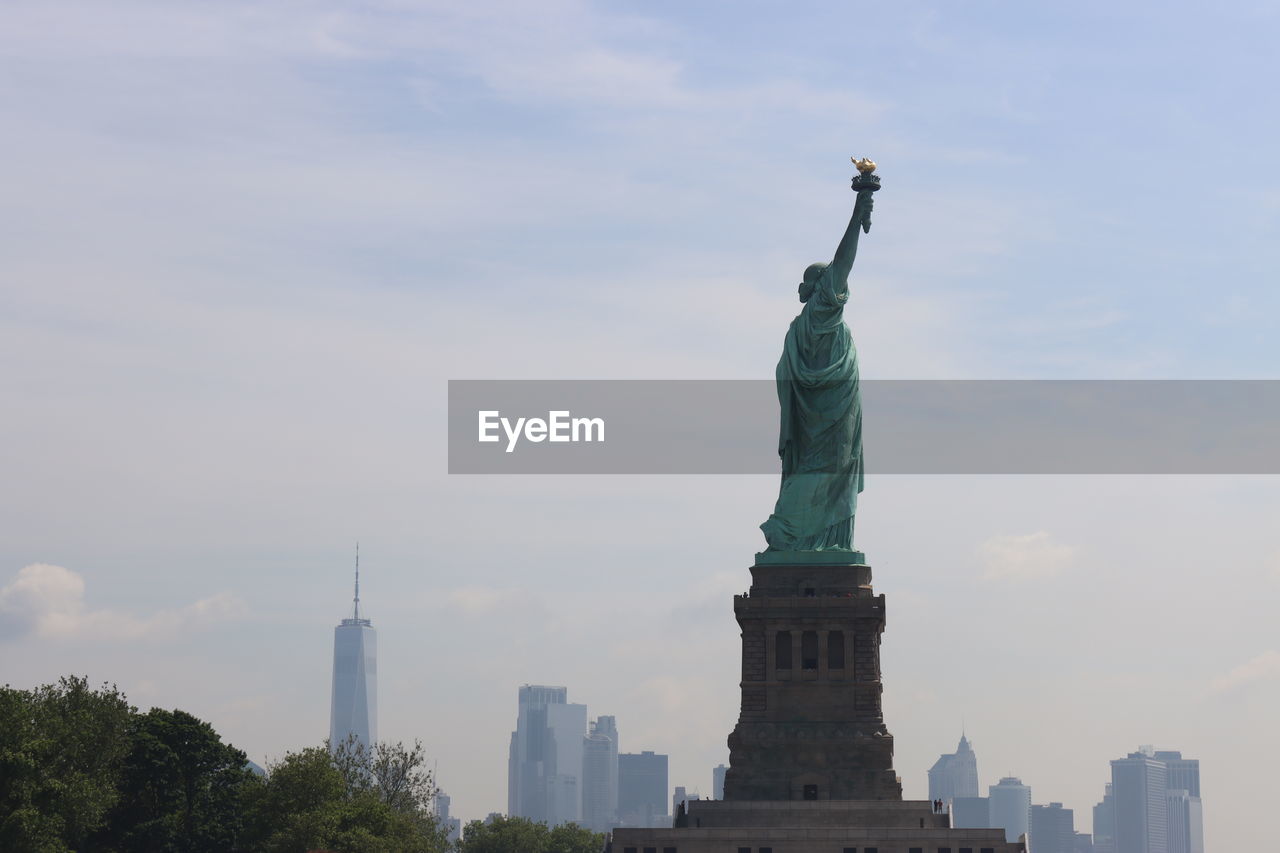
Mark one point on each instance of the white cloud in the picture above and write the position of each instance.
(1018, 558)
(1265, 665)
(49, 601)
(477, 600)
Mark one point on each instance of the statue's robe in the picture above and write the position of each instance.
(820, 441)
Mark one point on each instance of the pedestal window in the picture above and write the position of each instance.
(809, 650)
(835, 650)
(782, 650)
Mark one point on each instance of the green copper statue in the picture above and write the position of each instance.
(820, 441)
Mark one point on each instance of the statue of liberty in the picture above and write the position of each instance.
(820, 440)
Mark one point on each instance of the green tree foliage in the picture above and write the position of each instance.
(350, 800)
(181, 789)
(62, 751)
(81, 770)
(521, 835)
(396, 773)
(571, 838)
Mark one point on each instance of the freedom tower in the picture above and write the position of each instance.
(354, 707)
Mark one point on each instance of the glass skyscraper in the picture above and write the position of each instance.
(1010, 804)
(544, 767)
(954, 774)
(354, 706)
(1157, 803)
(600, 775)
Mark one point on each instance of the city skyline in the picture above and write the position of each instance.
(1009, 804)
(247, 245)
(953, 775)
(560, 769)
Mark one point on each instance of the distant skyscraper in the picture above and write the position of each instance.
(1104, 824)
(452, 825)
(717, 781)
(1156, 803)
(1011, 807)
(600, 776)
(1138, 785)
(354, 706)
(681, 795)
(1053, 829)
(1180, 773)
(642, 789)
(544, 766)
(954, 774)
(1185, 822)
(971, 813)
(1185, 819)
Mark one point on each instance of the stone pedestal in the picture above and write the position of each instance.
(811, 726)
(810, 761)
(799, 826)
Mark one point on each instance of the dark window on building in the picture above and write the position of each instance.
(916, 850)
(782, 650)
(668, 850)
(988, 850)
(870, 850)
(966, 850)
(835, 650)
(810, 592)
(766, 850)
(744, 850)
(944, 850)
(811, 792)
(655, 850)
(851, 850)
(809, 650)
(628, 850)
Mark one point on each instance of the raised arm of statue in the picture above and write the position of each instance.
(848, 248)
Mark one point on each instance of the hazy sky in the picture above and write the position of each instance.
(243, 246)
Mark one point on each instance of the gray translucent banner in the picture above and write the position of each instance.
(909, 427)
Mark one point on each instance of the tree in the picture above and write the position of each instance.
(62, 750)
(181, 789)
(81, 770)
(396, 773)
(350, 800)
(571, 838)
(521, 835)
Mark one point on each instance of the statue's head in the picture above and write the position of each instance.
(811, 275)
